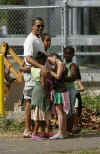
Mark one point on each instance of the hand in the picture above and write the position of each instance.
(28, 68)
(25, 69)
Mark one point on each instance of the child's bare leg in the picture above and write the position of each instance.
(65, 125)
(76, 118)
(59, 109)
(47, 126)
(36, 126)
(76, 121)
(70, 123)
(60, 114)
(42, 125)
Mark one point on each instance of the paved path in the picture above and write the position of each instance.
(20, 145)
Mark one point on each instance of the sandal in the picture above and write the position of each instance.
(37, 137)
(27, 134)
(55, 137)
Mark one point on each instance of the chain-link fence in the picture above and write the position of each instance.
(16, 23)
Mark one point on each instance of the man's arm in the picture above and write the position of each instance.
(34, 62)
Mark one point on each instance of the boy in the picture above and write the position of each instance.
(73, 75)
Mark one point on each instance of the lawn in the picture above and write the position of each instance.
(91, 102)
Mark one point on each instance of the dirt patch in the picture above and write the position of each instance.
(15, 95)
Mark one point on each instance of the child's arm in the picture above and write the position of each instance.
(80, 86)
(60, 68)
(43, 80)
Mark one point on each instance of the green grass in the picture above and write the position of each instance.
(11, 126)
(91, 102)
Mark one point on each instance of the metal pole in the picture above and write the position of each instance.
(65, 24)
(1, 85)
(69, 21)
(62, 31)
(85, 28)
(75, 31)
(11, 7)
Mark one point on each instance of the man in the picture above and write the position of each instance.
(32, 47)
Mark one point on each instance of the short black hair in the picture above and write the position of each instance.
(44, 35)
(69, 49)
(35, 19)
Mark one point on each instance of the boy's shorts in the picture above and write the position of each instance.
(28, 87)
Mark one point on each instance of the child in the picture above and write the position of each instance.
(47, 42)
(72, 78)
(40, 103)
(61, 98)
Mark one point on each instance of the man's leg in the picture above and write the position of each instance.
(27, 131)
(27, 115)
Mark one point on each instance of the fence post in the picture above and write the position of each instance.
(1, 85)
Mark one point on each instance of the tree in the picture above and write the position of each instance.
(3, 2)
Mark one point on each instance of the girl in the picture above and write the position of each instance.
(61, 98)
(40, 103)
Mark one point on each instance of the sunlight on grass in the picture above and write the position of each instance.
(91, 102)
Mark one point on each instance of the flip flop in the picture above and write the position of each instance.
(55, 137)
(37, 137)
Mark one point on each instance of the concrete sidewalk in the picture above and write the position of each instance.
(19, 145)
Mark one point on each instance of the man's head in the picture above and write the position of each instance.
(68, 53)
(37, 26)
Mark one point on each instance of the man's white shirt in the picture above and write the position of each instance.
(32, 46)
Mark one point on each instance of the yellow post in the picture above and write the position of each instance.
(1, 85)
